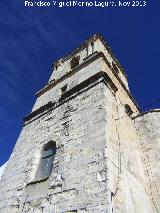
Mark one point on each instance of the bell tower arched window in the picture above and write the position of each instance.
(75, 62)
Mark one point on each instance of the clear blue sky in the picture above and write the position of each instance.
(32, 38)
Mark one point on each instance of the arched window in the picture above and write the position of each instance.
(92, 47)
(87, 51)
(128, 109)
(46, 161)
(75, 61)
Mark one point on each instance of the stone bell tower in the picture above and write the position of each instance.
(78, 150)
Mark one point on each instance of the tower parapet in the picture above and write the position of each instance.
(95, 43)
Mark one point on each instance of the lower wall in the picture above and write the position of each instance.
(126, 176)
(98, 167)
(148, 126)
(78, 180)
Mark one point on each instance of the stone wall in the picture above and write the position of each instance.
(148, 129)
(79, 173)
(99, 165)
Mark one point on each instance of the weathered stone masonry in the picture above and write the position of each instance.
(100, 163)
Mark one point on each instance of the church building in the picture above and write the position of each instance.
(86, 147)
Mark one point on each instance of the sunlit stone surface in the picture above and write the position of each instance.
(107, 152)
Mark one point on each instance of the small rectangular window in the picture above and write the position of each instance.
(64, 88)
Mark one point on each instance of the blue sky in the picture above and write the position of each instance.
(32, 38)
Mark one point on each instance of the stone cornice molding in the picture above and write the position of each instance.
(87, 84)
(87, 60)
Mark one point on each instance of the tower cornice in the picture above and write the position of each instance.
(88, 60)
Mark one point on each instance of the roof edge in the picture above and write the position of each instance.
(147, 112)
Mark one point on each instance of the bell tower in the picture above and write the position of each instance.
(78, 150)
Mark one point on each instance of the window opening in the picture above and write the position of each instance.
(46, 161)
(64, 88)
(128, 109)
(92, 46)
(75, 61)
(87, 50)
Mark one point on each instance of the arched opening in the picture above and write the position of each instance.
(46, 161)
(92, 47)
(75, 61)
(128, 109)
